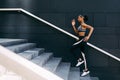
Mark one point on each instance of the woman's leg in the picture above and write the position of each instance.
(75, 50)
(85, 63)
(84, 50)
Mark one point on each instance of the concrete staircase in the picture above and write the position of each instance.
(41, 58)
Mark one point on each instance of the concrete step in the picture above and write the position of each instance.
(94, 78)
(63, 70)
(21, 47)
(74, 74)
(52, 64)
(42, 58)
(36, 51)
(85, 78)
(27, 55)
(9, 42)
(89, 78)
(32, 53)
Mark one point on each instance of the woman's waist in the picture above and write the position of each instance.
(81, 37)
(81, 33)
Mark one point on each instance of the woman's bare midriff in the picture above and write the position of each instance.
(81, 33)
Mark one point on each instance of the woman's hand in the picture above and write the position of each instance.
(73, 22)
(86, 38)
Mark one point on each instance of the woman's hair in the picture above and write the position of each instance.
(85, 17)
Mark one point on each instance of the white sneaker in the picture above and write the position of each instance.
(85, 73)
(79, 63)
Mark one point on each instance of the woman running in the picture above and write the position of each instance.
(81, 32)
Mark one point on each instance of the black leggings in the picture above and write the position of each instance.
(77, 49)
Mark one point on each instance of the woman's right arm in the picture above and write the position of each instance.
(73, 25)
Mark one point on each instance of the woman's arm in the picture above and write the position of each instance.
(90, 31)
(73, 25)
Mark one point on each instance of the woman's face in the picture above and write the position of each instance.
(80, 18)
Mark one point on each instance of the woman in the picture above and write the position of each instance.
(81, 32)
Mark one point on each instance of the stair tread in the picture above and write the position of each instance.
(87, 77)
(8, 42)
(52, 64)
(94, 78)
(21, 47)
(27, 55)
(74, 74)
(31, 53)
(42, 59)
(36, 51)
(63, 70)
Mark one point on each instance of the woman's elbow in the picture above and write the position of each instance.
(92, 28)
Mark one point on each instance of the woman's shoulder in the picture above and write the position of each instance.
(84, 24)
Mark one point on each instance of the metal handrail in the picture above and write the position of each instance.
(103, 51)
(61, 30)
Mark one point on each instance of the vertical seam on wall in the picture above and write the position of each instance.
(118, 41)
(93, 15)
(105, 19)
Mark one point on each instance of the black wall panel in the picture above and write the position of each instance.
(113, 20)
(100, 20)
(103, 16)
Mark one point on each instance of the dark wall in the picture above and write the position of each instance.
(104, 16)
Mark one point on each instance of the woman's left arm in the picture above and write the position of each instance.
(90, 31)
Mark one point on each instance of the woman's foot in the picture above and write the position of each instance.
(80, 61)
(85, 72)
